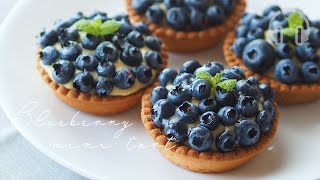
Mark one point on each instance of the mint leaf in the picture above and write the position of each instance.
(228, 85)
(216, 78)
(204, 75)
(87, 26)
(289, 32)
(295, 20)
(109, 27)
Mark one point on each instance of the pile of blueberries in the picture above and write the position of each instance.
(124, 44)
(194, 15)
(291, 63)
(185, 122)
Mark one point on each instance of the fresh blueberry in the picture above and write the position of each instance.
(247, 132)
(235, 72)
(63, 71)
(162, 109)
(247, 106)
(183, 78)
(198, 4)
(248, 88)
(177, 18)
(142, 27)
(246, 18)
(106, 69)
(190, 66)
(48, 38)
(106, 51)
(86, 62)
(153, 43)
(73, 34)
(279, 22)
(79, 15)
(102, 16)
(124, 78)
(158, 93)
(153, 59)
(200, 89)
(226, 5)
(256, 33)
(178, 95)
(120, 41)
(286, 71)
(197, 20)
(61, 24)
(70, 52)
(177, 130)
(267, 92)
(200, 139)
(125, 28)
(269, 11)
(155, 14)
(188, 112)
(259, 22)
(268, 106)
(238, 46)
(63, 37)
(208, 104)
(90, 41)
(305, 52)
(253, 80)
(242, 31)
(284, 51)
(167, 76)
(225, 142)
(212, 67)
(225, 98)
(215, 15)
(144, 73)
(83, 82)
(131, 56)
(104, 87)
(228, 115)
(314, 37)
(136, 39)
(173, 3)
(210, 120)
(264, 121)
(310, 72)
(49, 55)
(258, 55)
(141, 6)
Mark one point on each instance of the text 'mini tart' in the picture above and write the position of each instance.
(209, 119)
(100, 65)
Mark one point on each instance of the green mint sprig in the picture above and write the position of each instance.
(96, 27)
(295, 21)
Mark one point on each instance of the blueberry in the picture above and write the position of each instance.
(102, 16)
(310, 72)
(162, 109)
(125, 28)
(183, 78)
(142, 27)
(305, 52)
(200, 89)
(225, 142)
(226, 5)
(155, 14)
(215, 15)
(235, 72)
(268, 106)
(242, 31)
(264, 121)
(314, 37)
(86, 62)
(256, 33)
(247, 133)
(247, 106)
(200, 139)
(210, 120)
(61, 24)
(284, 51)
(225, 98)
(212, 67)
(76, 17)
(144, 73)
(269, 11)
(259, 22)
(153, 43)
(141, 6)
(120, 41)
(73, 34)
(104, 87)
(198, 4)
(90, 42)
(316, 23)
(286, 71)
(106, 69)
(197, 20)
(238, 46)
(70, 52)
(131, 56)
(177, 130)
(190, 66)
(258, 56)
(249, 88)
(267, 92)
(135, 38)
(246, 18)
(48, 38)
(228, 115)
(124, 78)
(173, 3)
(177, 18)
(158, 93)
(167, 76)
(83, 82)
(188, 112)
(49, 55)
(208, 104)
(63, 37)
(253, 80)
(63, 71)
(178, 95)
(280, 22)
(153, 59)
(106, 51)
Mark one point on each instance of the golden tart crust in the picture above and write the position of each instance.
(210, 161)
(181, 41)
(286, 94)
(92, 103)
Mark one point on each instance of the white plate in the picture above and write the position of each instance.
(29, 103)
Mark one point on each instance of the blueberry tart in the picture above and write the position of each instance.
(99, 64)
(187, 25)
(209, 119)
(280, 49)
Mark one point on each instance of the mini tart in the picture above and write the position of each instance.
(182, 41)
(206, 162)
(92, 103)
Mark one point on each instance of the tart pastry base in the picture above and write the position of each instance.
(210, 161)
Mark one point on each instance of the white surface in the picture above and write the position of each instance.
(29, 103)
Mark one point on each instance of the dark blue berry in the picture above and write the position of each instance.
(106, 51)
(104, 87)
(267, 92)
(142, 27)
(124, 78)
(135, 38)
(70, 52)
(256, 33)
(271, 10)
(178, 95)
(200, 139)
(268, 106)
(86, 62)
(63, 71)
(246, 18)
(314, 37)
(73, 33)
(125, 28)
(226, 5)
(173, 3)
(90, 42)
(286, 71)
(177, 18)
(200, 89)
(264, 121)
(120, 41)
(158, 93)
(188, 112)
(305, 52)
(208, 104)
(83, 82)
(247, 133)
(225, 142)
(153, 43)
(247, 106)
(259, 22)
(238, 45)
(61, 24)
(49, 55)
(197, 20)
(183, 78)
(162, 109)
(153, 59)
(48, 38)
(225, 98)
(144, 73)
(210, 120)
(155, 14)
(242, 31)
(141, 6)
(198, 4)
(248, 88)
(131, 56)
(215, 15)
(177, 130)
(102, 16)
(235, 72)
(228, 115)
(106, 69)
(167, 76)
(310, 72)
(284, 51)
(190, 66)
(212, 67)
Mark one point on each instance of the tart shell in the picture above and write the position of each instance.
(181, 41)
(92, 103)
(210, 161)
(286, 94)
